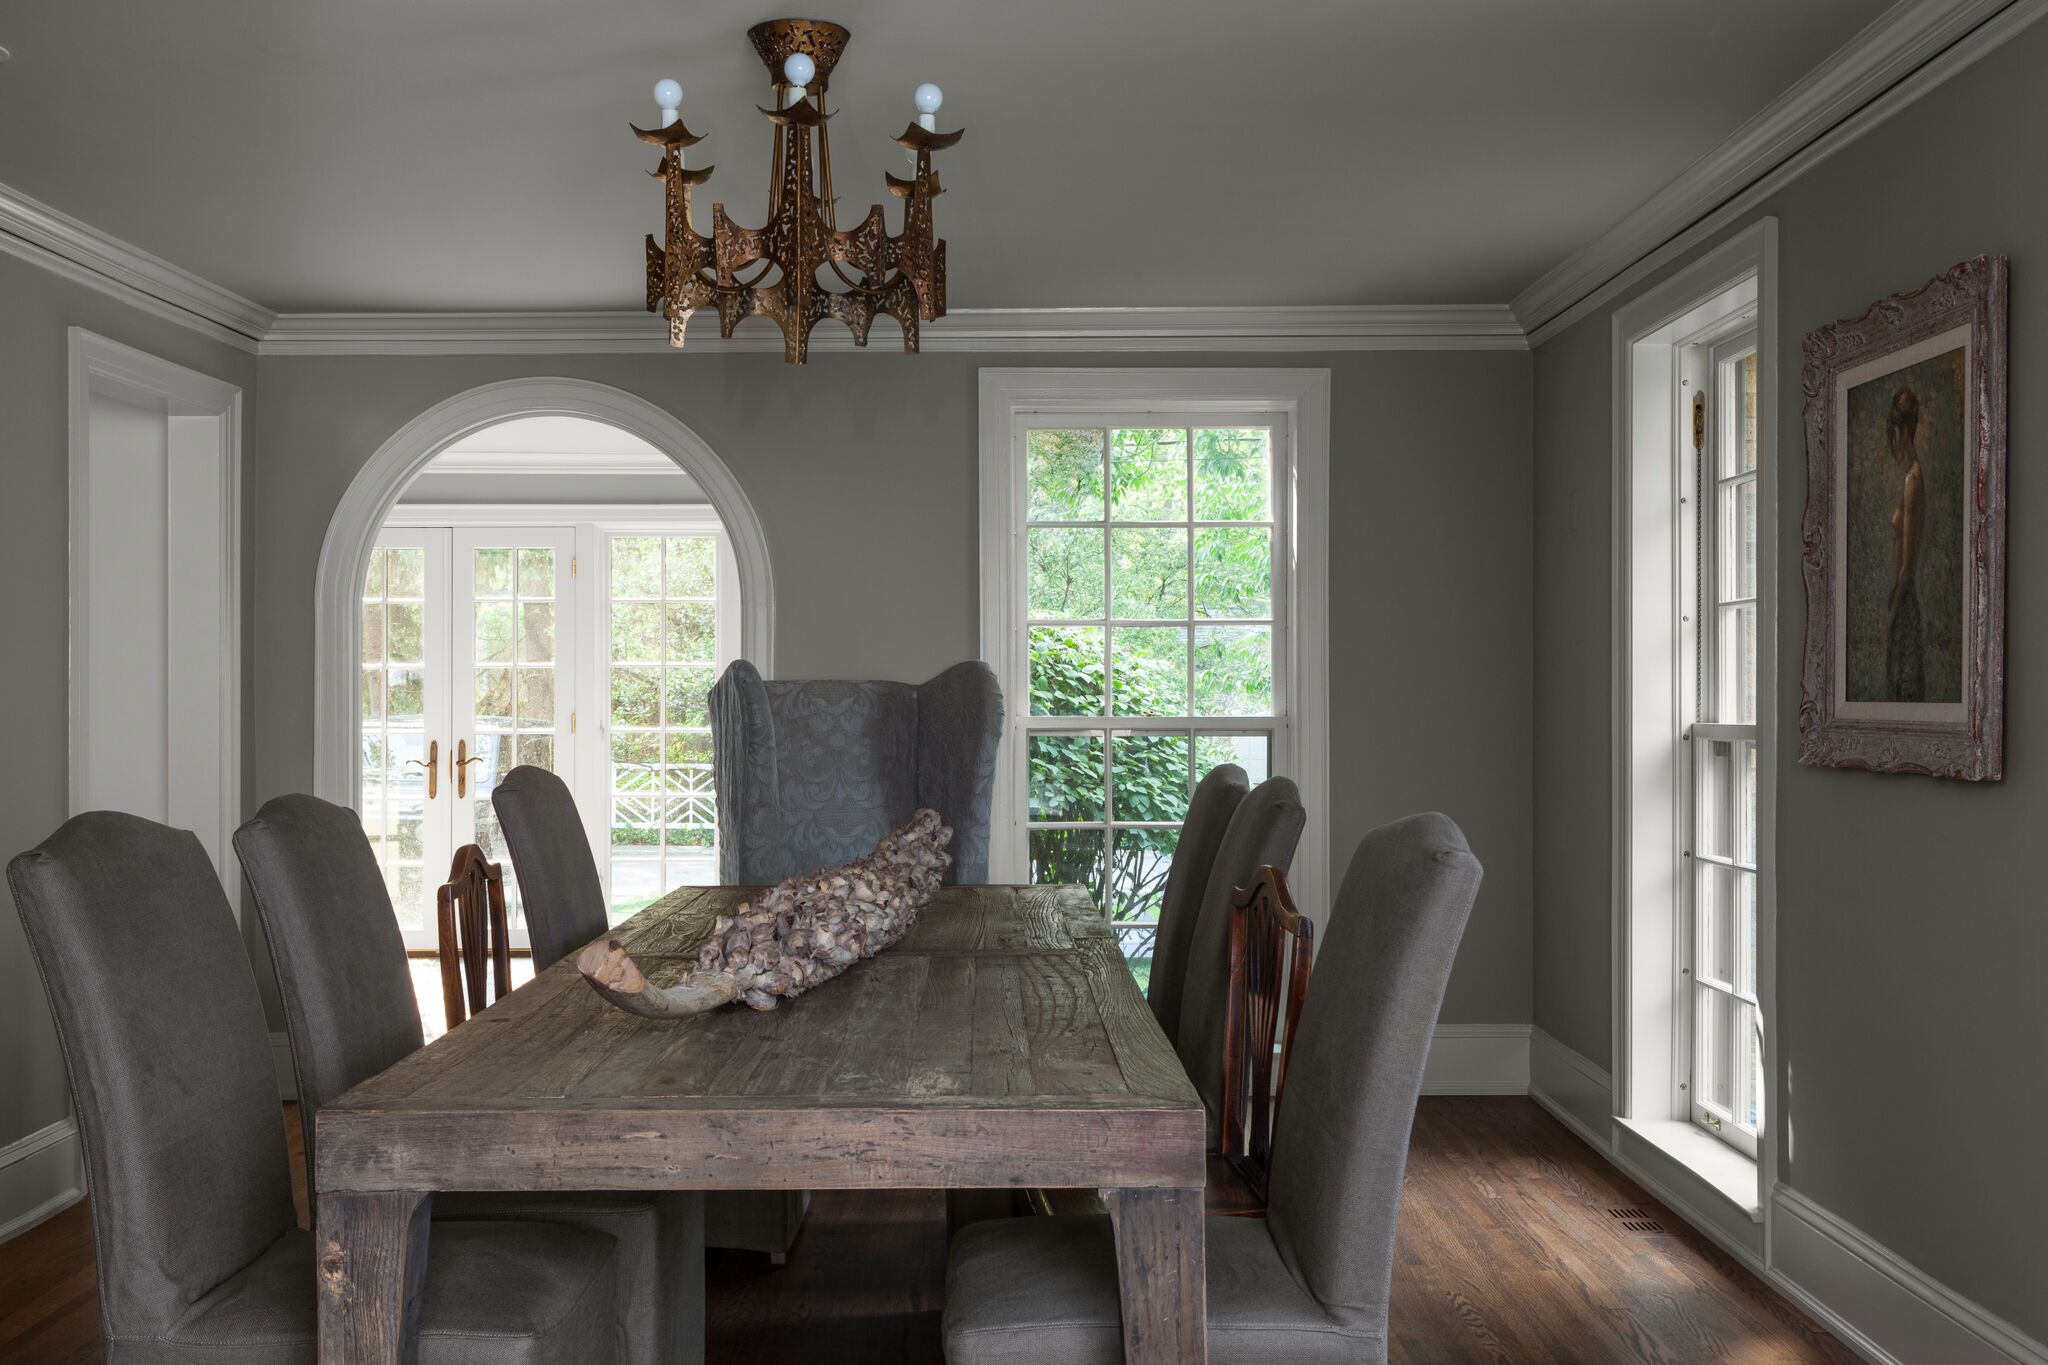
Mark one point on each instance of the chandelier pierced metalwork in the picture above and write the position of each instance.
(903, 276)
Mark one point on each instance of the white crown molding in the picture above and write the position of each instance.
(61, 244)
(1908, 50)
(1011, 330)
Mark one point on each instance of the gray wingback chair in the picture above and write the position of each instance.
(350, 1012)
(1309, 1282)
(199, 1255)
(811, 774)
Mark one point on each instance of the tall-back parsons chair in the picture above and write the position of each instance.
(560, 894)
(350, 1011)
(810, 774)
(199, 1254)
(1263, 833)
(563, 901)
(1308, 1282)
(1217, 797)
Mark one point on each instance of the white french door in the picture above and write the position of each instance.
(467, 673)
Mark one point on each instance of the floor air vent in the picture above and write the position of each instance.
(1635, 1218)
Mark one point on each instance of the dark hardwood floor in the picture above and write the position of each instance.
(1510, 1252)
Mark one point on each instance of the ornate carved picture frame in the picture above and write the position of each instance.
(1904, 534)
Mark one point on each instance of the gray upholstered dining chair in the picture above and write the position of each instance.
(1217, 797)
(560, 895)
(563, 902)
(1263, 832)
(810, 774)
(350, 1012)
(1308, 1282)
(199, 1255)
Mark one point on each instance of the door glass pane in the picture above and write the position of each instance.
(663, 643)
(393, 739)
(514, 711)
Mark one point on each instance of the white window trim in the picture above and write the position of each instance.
(1302, 397)
(594, 525)
(1651, 452)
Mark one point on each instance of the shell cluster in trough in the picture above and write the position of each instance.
(800, 932)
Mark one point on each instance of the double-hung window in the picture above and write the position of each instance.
(1718, 988)
(1144, 610)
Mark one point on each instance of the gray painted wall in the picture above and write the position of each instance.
(863, 470)
(1911, 930)
(39, 308)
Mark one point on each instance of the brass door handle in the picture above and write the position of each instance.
(433, 766)
(460, 764)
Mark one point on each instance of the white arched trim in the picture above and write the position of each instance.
(344, 555)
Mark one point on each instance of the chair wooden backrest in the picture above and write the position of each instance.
(471, 911)
(1271, 953)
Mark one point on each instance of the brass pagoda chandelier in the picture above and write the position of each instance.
(903, 276)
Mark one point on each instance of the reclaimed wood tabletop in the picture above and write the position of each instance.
(1002, 1043)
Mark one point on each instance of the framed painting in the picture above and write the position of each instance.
(1904, 536)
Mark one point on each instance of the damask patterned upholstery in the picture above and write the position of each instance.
(810, 774)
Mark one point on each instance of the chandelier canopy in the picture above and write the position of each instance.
(903, 276)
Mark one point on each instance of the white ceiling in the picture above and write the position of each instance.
(473, 154)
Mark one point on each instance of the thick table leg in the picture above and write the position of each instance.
(372, 1269)
(1159, 1263)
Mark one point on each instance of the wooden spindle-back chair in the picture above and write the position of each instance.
(1271, 953)
(471, 911)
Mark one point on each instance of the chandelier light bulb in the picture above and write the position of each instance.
(799, 69)
(669, 95)
(928, 98)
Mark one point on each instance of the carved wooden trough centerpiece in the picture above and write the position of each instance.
(800, 932)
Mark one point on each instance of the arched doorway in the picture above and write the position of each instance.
(352, 534)
(515, 561)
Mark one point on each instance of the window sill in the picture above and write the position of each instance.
(1719, 1167)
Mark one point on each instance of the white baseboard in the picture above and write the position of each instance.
(1478, 1059)
(1881, 1306)
(281, 1059)
(39, 1175)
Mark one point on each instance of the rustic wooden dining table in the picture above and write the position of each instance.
(1002, 1043)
